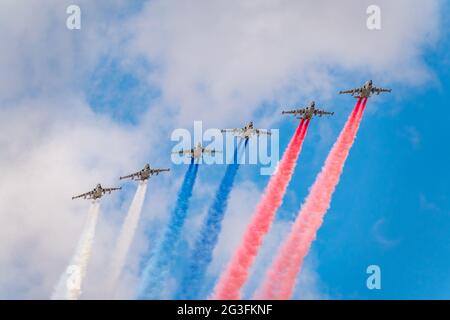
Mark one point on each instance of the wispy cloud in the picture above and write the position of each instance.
(413, 136)
(379, 235)
(427, 205)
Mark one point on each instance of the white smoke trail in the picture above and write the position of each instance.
(126, 236)
(69, 286)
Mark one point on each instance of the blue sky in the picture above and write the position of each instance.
(97, 103)
(391, 207)
(397, 174)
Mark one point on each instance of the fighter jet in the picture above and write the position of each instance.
(144, 174)
(247, 131)
(196, 152)
(96, 193)
(308, 112)
(365, 91)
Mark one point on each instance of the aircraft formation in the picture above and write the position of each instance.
(246, 132)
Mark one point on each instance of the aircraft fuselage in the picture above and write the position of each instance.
(144, 174)
(97, 192)
(248, 131)
(309, 112)
(197, 152)
(366, 91)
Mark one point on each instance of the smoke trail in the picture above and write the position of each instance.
(159, 265)
(280, 279)
(236, 274)
(202, 253)
(126, 235)
(69, 286)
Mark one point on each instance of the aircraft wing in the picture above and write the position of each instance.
(263, 131)
(323, 113)
(157, 171)
(379, 90)
(136, 174)
(209, 151)
(109, 190)
(181, 152)
(235, 130)
(351, 91)
(83, 195)
(299, 111)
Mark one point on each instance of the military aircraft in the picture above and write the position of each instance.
(196, 152)
(97, 192)
(144, 174)
(308, 112)
(365, 91)
(247, 131)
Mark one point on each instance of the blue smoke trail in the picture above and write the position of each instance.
(158, 267)
(191, 284)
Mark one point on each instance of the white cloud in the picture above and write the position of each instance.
(45, 159)
(222, 59)
(215, 61)
(309, 285)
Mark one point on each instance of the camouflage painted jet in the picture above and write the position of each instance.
(365, 91)
(196, 152)
(247, 131)
(144, 174)
(308, 112)
(96, 193)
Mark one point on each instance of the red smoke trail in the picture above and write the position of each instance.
(280, 279)
(236, 274)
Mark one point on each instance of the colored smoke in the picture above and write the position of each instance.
(237, 272)
(69, 286)
(281, 278)
(158, 268)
